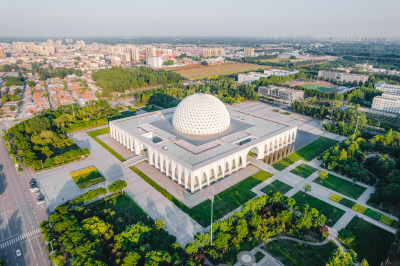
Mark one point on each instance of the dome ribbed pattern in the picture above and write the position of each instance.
(201, 114)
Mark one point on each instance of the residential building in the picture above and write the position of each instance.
(2, 53)
(387, 103)
(281, 93)
(212, 52)
(150, 51)
(154, 61)
(387, 88)
(343, 77)
(248, 52)
(280, 72)
(167, 51)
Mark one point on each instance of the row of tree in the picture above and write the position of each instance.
(118, 79)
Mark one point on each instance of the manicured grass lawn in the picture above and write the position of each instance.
(102, 131)
(317, 87)
(332, 213)
(307, 153)
(303, 170)
(150, 108)
(224, 202)
(342, 186)
(286, 113)
(293, 253)
(275, 110)
(87, 177)
(122, 114)
(259, 256)
(373, 214)
(371, 242)
(276, 186)
(346, 202)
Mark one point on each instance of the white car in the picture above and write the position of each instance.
(41, 199)
(18, 253)
(33, 188)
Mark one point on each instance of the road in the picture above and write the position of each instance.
(20, 215)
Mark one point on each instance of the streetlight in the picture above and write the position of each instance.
(354, 136)
(212, 207)
(52, 250)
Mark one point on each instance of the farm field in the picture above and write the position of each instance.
(198, 71)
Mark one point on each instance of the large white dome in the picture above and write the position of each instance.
(201, 114)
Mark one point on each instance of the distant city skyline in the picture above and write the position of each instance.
(251, 18)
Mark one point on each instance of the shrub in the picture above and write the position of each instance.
(359, 208)
(336, 198)
(346, 237)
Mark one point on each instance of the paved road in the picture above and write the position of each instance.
(20, 216)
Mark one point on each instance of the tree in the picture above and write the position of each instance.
(168, 62)
(306, 188)
(322, 174)
(346, 237)
(12, 108)
(117, 186)
(204, 63)
(342, 258)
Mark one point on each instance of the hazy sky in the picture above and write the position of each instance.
(53, 18)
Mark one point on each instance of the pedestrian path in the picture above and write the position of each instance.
(19, 238)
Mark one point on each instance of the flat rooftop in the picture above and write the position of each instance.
(156, 128)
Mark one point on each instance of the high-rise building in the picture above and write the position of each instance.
(344, 77)
(248, 52)
(167, 51)
(150, 51)
(213, 52)
(80, 43)
(154, 61)
(2, 53)
(135, 54)
(58, 42)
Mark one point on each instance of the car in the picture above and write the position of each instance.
(41, 199)
(33, 188)
(18, 253)
(32, 182)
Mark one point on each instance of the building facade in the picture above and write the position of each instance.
(286, 95)
(387, 103)
(198, 160)
(342, 77)
(280, 72)
(387, 88)
(248, 52)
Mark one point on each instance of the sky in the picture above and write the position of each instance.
(220, 18)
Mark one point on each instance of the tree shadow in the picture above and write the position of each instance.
(3, 182)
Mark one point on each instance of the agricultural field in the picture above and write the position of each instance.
(198, 71)
(272, 60)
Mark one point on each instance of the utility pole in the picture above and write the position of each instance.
(355, 130)
(212, 207)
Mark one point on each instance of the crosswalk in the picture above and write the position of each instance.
(19, 238)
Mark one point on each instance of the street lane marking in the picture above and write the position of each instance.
(19, 238)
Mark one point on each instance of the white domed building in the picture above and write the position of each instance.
(200, 141)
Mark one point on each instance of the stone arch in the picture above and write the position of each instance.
(196, 181)
(233, 164)
(226, 167)
(220, 172)
(276, 144)
(183, 177)
(154, 160)
(293, 136)
(212, 174)
(280, 142)
(164, 166)
(284, 140)
(255, 150)
(170, 173)
(204, 179)
(270, 146)
(240, 161)
(176, 172)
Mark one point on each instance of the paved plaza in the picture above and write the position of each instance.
(187, 198)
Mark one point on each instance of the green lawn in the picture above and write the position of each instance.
(317, 87)
(121, 115)
(371, 242)
(276, 186)
(87, 177)
(150, 108)
(102, 131)
(342, 186)
(293, 253)
(224, 202)
(303, 170)
(332, 213)
(307, 153)
(346, 202)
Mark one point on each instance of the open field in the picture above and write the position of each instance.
(332, 213)
(303, 170)
(224, 202)
(87, 177)
(272, 60)
(342, 186)
(198, 71)
(276, 186)
(317, 87)
(293, 253)
(371, 242)
(307, 153)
